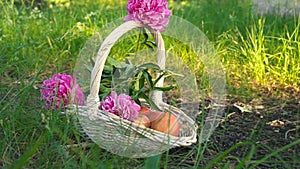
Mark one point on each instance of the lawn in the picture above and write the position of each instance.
(260, 56)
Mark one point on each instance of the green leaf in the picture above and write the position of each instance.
(146, 36)
(108, 69)
(116, 63)
(159, 77)
(167, 88)
(149, 66)
(148, 45)
(141, 82)
(153, 162)
(149, 101)
(138, 93)
(129, 70)
(148, 78)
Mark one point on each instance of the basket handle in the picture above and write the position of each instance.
(102, 55)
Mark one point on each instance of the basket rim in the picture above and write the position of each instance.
(145, 131)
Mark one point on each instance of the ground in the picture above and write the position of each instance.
(265, 124)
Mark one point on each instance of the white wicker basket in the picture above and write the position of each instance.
(123, 137)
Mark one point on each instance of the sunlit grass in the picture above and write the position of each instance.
(265, 58)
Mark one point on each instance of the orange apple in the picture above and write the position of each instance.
(144, 109)
(167, 123)
(152, 115)
(142, 120)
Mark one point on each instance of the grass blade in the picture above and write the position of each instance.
(153, 162)
(29, 154)
(275, 153)
(224, 154)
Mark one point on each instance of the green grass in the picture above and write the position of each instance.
(35, 43)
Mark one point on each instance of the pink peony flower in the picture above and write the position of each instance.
(154, 13)
(121, 105)
(129, 110)
(109, 104)
(61, 90)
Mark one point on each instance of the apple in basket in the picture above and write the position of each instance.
(152, 115)
(160, 121)
(142, 120)
(145, 117)
(167, 123)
